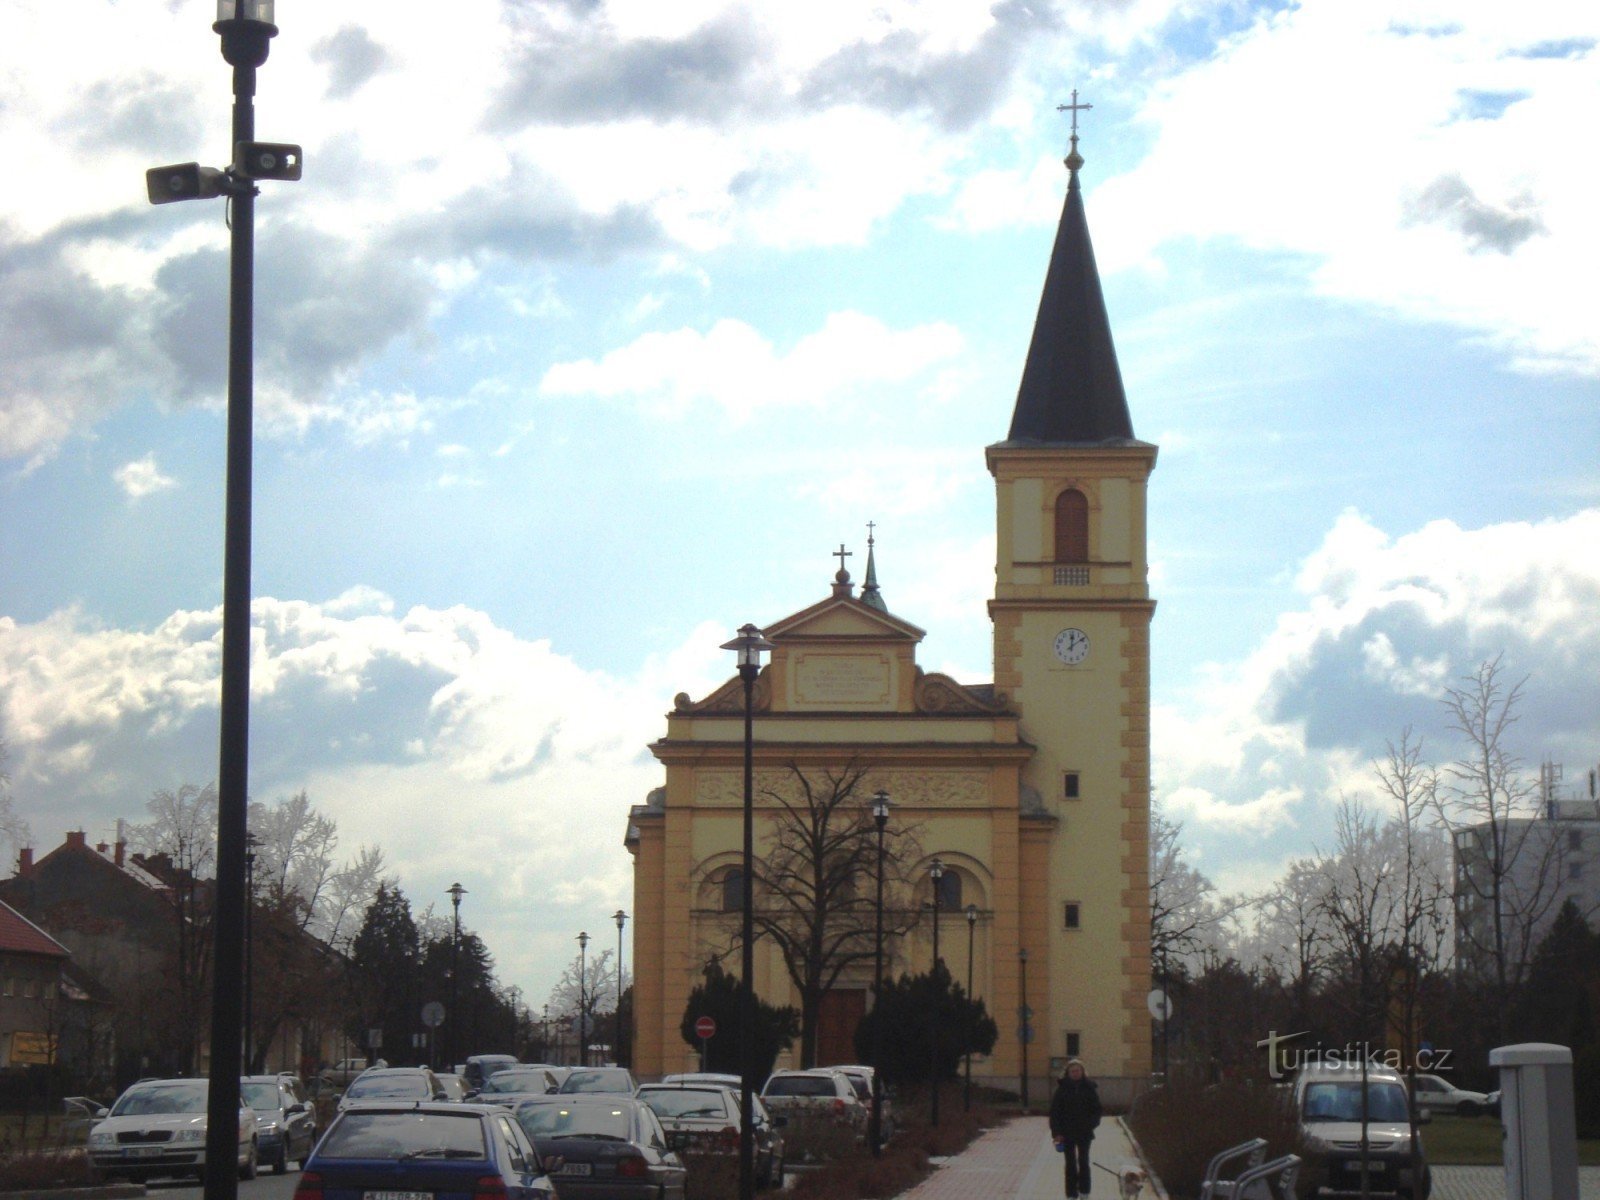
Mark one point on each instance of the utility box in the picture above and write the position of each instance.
(1540, 1121)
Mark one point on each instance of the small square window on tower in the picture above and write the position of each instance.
(1072, 921)
(1074, 1043)
(1070, 786)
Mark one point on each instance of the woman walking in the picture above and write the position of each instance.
(1074, 1114)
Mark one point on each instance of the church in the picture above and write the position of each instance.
(1031, 792)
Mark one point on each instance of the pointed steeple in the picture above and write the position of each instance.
(1071, 386)
(870, 595)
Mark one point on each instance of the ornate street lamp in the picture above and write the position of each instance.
(936, 871)
(748, 648)
(453, 1018)
(880, 818)
(583, 1017)
(621, 918)
(966, 1087)
(246, 29)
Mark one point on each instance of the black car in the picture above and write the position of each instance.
(394, 1083)
(506, 1087)
(603, 1147)
(287, 1128)
(443, 1151)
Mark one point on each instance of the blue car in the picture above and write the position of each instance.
(425, 1150)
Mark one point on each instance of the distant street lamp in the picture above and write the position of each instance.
(583, 1015)
(620, 917)
(748, 648)
(880, 818)
(1027, 1023)
(246, 29)
(453, 1018)
(936, 870)
(966, 1087)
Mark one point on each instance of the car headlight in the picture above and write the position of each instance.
(189, 1135)
(268, 1127)
(102, 1140)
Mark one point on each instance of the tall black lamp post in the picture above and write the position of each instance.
(966, 1086)
(621, 919)
(453, 1017)
(936, 871)
(880, 818)
(748, 648)
(1026, 1030)
(583, 1010)
(246, 29)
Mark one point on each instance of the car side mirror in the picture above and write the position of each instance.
(295, 1109)
(472, 1095)
(100, 1113)
(552, 1089)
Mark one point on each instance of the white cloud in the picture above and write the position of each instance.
(142, 478)
(736, 368)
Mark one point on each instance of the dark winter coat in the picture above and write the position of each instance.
(1075, 1109)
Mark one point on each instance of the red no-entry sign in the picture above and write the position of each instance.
(705, 1028)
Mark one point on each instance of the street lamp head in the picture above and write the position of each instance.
(880, 807)
(246, 27)
(455, 891)
(1022, 955)
(936, 869)
(583, 941)
(620, 917)
(748, 647)
(972, 914)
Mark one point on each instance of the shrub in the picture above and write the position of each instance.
(30, 1169)
(817, 1137)
(1182, 1124)
(712, 1176)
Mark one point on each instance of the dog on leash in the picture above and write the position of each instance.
(1130, 1180)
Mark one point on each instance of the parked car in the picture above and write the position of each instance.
(1439, 1095)
(443, 1150)
(718, 1077)
(612, 1080)
(455, 1088)
(344, 1072)
(158, 1127)
(287, 1120)
(506, 1087)
(603, 1147)
(707, 1117)
(394, 1083)
(477, 1069)
(813, 1095)
(1328, 1103)
(862, 1079)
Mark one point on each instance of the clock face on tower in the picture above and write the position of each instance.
(1072, 646)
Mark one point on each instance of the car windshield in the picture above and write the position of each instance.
(516, 1081)
(1342, 1102)
(263, 1097)
(673, 1102)
(575, 1120)
(800, 1085)
(165, 1099)
(597, 1081)
(410, 1135)
(388, 1087)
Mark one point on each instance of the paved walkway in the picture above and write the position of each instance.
(1017, 1162)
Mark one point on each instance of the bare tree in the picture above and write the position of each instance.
(1293, 926)
(14, 831)
(815, 883)
(296, 871)
(1507, 877)
(1189, 919)
(1359, 904)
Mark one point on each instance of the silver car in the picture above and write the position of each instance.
(158, 1127)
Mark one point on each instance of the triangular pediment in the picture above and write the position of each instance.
(843, 618)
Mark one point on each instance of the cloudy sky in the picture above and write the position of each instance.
(595, 325)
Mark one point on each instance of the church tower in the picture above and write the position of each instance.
(1071, 614)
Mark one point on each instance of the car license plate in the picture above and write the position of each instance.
(1373, 1166)
(573, 1168)
(145, 1151)
(396, 1196)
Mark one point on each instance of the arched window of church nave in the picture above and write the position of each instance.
(1072, 527)
(733, 890)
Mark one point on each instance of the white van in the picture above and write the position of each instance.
(1327, 1101)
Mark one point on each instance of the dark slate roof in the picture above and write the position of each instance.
(1071, 387)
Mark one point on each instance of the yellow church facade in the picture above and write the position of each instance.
(1032, 790)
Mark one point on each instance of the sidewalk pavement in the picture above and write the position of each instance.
(1017, 1161)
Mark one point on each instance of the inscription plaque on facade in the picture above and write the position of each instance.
(842, 679)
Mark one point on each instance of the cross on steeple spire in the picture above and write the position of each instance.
(1074, 159)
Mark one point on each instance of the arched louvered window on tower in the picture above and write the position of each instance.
(1072, 527)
